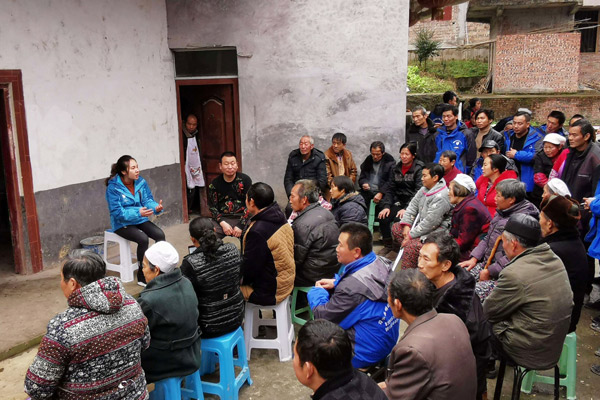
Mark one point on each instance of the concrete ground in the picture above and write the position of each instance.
(28, 302)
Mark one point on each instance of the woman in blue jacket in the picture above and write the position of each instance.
(130, 203)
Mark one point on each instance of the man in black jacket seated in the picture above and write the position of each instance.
(305, 162)
(455, 294)
(375, 173)
(322, 362)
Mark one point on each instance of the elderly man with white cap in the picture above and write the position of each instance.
(553, 146)
(171, 306)
(470, 217)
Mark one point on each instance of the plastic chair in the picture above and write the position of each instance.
(567, 366)
(283, 322)
(125, 267)
(170, 388)
(371, 218)
(220, 350)
(297, 311)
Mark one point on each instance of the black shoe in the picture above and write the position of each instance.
(141, 278)
(595, 369)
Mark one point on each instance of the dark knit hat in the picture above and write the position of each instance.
(524, 226)
(564, 211)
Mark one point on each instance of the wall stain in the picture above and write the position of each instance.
(343, 103)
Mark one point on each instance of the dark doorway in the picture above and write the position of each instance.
(7, 260)
(215, 102)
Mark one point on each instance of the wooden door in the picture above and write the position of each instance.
(215, 104)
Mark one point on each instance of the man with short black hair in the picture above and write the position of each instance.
(483, 130)
(448, 161)
(356, 300)
(193, 163)
(530, 307)
(93, 347)
(454, 135)
(227, 196)
(433, 359)
(375, 173)
(315, 235)
(339, 159)
(455, 294)
(268, 269)
(581, 173)
(522, 144)
(422, 132)
(305, 162)
(323, 362)
(554, 124)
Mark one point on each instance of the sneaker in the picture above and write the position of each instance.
(597, 352)
(491, 371)
(141, 278)
(595, 327)
(595, 369)
(596, 319)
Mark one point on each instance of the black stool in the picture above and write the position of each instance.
(519, 373)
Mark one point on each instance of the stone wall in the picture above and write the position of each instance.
(540, 63)
(540, 105)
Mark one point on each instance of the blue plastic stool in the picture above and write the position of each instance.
(170, 388)
(567, 365)
(220, 350)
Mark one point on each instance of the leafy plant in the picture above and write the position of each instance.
(419, 83)
(426, 47)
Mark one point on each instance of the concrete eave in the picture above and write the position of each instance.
(485, 10)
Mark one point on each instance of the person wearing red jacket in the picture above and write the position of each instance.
(494, 172)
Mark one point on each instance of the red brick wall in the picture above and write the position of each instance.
(540, 63)
(589, 69)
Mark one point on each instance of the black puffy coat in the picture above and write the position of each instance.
(315, 239)
(314, 168)
(567, 245)
(350, 207)
(403, 187)
(460, 299)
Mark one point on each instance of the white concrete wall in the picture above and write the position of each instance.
(98, 83)
(308, 66)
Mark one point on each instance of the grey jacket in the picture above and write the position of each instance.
(315, 239)
(530, 308)
(433, 208)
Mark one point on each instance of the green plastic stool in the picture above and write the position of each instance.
(295, 312)
(567, 366)
(371, 219)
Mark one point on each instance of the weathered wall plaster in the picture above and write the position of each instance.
(306, 66)
(98, 83)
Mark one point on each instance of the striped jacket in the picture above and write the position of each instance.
(92, 351)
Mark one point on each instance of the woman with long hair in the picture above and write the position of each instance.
(130, 203)
(214, 270)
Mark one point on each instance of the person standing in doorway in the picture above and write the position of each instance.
(193, 166)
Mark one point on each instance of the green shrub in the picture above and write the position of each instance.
(420, 83)
(426, 47)
(457, 68)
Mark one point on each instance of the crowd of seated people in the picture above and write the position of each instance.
(468, 204)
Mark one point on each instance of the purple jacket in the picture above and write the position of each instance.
(484, 248)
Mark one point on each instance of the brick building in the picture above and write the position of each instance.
(547, 53)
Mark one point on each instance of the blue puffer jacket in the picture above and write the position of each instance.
(359, 305)
(458, 142)
(526, 155)
(593, 235)
(124, 207)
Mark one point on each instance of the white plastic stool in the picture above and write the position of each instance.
(283, 322)
(125, 267)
